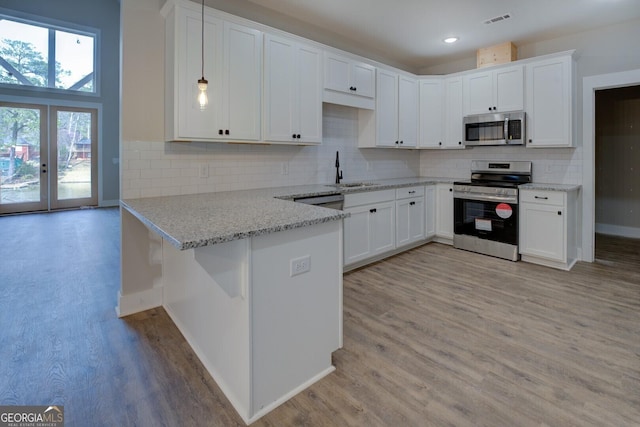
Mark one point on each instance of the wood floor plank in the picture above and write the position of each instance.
(432, 337)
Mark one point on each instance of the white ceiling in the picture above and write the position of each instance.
(411, 31)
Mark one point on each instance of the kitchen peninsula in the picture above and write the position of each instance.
(253, 282)
(251, 279)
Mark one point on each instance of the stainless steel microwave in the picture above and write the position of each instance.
(495, 129)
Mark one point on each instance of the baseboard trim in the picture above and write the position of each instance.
(618, 230)
(140, 301)
(109, 203)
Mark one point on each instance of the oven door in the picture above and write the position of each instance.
(491, 218)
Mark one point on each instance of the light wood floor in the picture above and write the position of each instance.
(432, 337)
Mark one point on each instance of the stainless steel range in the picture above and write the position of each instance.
(485, 208)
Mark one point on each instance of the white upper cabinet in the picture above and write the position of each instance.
(453, 112)
(550, 102)
(349, 82)
(233, 67)
(396, 113)
(293, 92)
(431, 113)
(496, 90)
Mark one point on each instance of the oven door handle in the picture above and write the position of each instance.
(485, 198)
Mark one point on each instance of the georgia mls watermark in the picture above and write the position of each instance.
(32, 416)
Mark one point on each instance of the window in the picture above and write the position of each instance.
(46, 56)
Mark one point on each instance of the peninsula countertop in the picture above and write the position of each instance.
(195, 220)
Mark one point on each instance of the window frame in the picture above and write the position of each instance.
(54, 24)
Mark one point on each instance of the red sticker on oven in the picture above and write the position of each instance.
(504, 211)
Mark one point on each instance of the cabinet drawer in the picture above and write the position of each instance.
(555, 198)
(368, 197)
(406, 192)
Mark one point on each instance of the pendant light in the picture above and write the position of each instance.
(203, 100)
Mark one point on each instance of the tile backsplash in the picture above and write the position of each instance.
(169, 168)
(549, 165)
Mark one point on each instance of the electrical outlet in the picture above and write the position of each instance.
(284, 168)
(204, 170)
(300, 265)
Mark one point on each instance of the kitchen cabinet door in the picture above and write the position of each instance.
(409, 221)
(550, 103)
(357, 235)
(337, 73)
(444, 213)
(310, 94)
(387, 109)
(478, 93)
(453, 114)
(364, 79)
(407, 112)
(293, 92)
(543, 231)
(431, 113)
(508, 90)
(242, 85)
(383, 226)
(185, 121)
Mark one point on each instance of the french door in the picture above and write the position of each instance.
(48, 157)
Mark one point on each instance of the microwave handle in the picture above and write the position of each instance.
(506, 128)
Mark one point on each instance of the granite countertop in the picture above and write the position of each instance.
(195, 220)
(550, 187)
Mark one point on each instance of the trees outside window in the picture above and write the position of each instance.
(33, 54)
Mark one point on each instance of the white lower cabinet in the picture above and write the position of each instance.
(547, 227)
(444, 213)
(386, 222)
(409, 215)
(370, 230)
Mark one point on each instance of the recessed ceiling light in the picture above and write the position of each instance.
(451, 40)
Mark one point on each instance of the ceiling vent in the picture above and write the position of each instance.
(498, 18)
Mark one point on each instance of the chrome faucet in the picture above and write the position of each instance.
(338, 171)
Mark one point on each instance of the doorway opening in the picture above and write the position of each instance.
(48, 157)
(617, 177)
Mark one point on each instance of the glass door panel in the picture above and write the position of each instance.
(23, 158)
(74, 141)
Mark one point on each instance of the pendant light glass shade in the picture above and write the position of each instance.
(203, 99)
